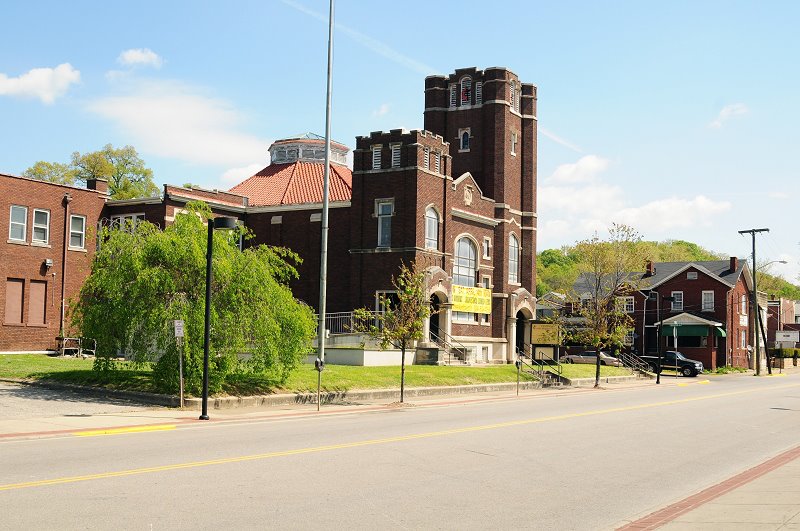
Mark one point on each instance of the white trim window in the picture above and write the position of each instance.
(486, 283)
(18, 223)
(513, 259)
(384, 210)
(626, 304)
(628, 339)
(395, 155)
(743, 307)
(376, 157)
(691, 275)
(466, 91)
(742, 339)
(677, 301)
(487, 248)
(478, 93)
(513, 143)
(465, 266)
(126, 221)
(437, 162)
(77, 232)
(41, 226)
(708, 301)
(426, 158)
(431, 228)
(453, 94)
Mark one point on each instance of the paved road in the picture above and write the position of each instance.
(589, 460)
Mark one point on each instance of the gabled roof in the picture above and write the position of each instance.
(687, 318)
(297, 183)
(718, 269)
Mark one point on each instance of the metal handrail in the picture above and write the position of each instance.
(447, 343)
(634, 362)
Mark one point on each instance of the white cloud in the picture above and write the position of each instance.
(728, 112)
(44, 83)
(381, 111)
(778, 195)
(585, 170)
(172, 120)
(140, 56)
(234, 176)
(558, 140)
(576, 201)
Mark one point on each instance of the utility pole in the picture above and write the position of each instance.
(756, 353)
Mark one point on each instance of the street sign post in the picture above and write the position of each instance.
(178, 324)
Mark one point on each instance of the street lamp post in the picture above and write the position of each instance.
(224, 223)
(658, 333)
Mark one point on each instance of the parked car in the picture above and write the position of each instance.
(675, 361)
(590, 356)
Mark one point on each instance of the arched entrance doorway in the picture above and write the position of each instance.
(523, 333)
(436, 305)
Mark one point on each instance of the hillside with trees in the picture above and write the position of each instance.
(557, 269)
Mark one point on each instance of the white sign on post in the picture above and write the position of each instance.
(178, 328)
(788, 336)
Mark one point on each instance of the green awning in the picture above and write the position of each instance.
(720, 332)
(685, 330)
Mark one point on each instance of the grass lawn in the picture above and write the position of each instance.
(334, 378)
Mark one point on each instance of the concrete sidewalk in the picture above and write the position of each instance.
(766, 497)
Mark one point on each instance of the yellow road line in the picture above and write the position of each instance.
(701, 382)
(370, 442)
(130, 429)
(775, 375)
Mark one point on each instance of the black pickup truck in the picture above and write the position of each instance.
(675, 361)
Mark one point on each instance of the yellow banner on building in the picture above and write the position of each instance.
(544, 334)
(473, 300)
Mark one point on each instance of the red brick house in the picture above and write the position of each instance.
(709, 313)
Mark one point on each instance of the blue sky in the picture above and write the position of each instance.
(679, 118)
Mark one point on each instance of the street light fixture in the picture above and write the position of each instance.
(224, 223)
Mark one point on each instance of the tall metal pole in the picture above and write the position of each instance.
(323, 259)
(756, 353)
(658, 337)
(207, 331)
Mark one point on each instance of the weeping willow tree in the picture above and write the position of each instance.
(143, 279)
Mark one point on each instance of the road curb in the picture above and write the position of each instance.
(336, 397)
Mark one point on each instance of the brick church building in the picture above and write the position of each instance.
(458, 197)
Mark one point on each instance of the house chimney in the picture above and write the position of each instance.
(651, 268)
(101, 185)
(734, 264)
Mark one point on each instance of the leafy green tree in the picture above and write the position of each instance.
(127, 175)
(143, 279)
(606, 267)
(53, 172)
(401, 322)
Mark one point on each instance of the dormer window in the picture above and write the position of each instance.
(466, 91)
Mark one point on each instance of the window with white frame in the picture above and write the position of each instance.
(384, 210)
(487, 248)
(41, 226)
(18, 225)
(466, 91)
(453, 94)
(513, 259)
(743, 339)
(628, 340)
(486, 283)
(437, 162)
(463, 138)
(478, 93)
(77, 232)
(743, 305)
(677, 301)
(691, 275)
(431, 228)
(626, 304)
(426, 158)
(395, 155)
(513, 143)
(465, 267)
(126, 221)
(376, 157)
(708, 301)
